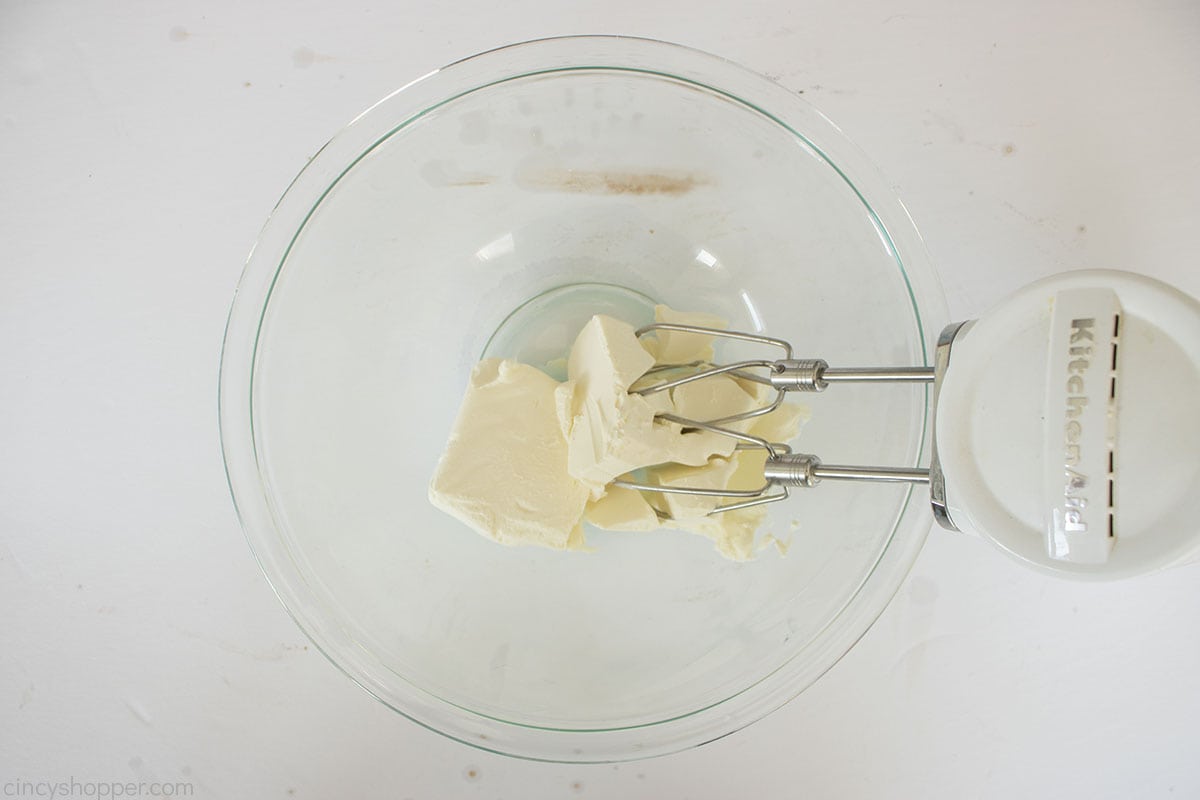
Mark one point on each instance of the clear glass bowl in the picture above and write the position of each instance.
(490, 207)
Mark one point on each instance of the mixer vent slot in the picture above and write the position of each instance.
(1112, 400)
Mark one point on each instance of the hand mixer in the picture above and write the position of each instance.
(1067, 430)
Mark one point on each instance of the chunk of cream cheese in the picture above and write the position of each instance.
(609, 431)
(504, 470)
(530, 458)
(622, 509)
(678, 347)
(732, 532)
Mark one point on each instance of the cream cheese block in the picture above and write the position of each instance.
(504, 470)
(530, 459)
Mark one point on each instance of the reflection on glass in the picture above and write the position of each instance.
(496, 248)
(755, 317)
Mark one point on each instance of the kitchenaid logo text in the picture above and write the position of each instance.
(1081, 343)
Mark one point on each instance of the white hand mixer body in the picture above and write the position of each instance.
(1066, 424)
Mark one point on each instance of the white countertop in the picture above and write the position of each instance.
(142, 145)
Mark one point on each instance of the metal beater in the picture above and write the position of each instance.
(783, 468)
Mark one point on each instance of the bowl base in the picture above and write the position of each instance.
(540, 331)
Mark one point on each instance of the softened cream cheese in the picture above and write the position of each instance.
(530, 459)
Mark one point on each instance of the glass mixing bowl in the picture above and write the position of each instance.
(491, 207)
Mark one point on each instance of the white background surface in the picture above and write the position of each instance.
(142, 144)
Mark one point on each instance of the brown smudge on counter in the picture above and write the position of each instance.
(610, 182)
(305, 57)
(448, 173)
